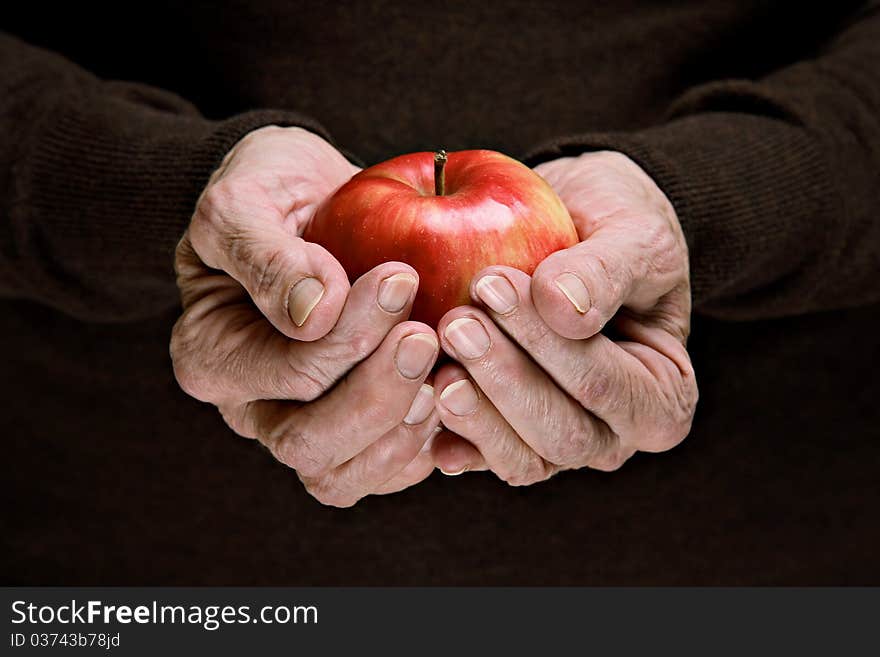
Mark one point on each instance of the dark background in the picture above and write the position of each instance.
(115, 476)
(778, 482)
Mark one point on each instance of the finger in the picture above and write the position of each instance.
(383, 459)
(454, 455)
(596, 372)
(297, 285)
(552, 423)
(237, 356)
(472, 416)
(637, 388)
(579, 289)
(371, 400)
(419, 468)
(379, 300)
(664, 355)
(417, 471)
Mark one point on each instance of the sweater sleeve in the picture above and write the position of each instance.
(776, 181)
(98, 181)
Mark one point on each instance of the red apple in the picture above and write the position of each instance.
(446, 216)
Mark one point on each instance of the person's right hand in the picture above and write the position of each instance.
(329, 377)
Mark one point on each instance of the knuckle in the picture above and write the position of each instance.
(530, 472)
(181, 338)
(566, 442)
(191, 378)
(681, 423)
(353, 345)
(665, 249)
(308, 387)
(235, 418)
(278, 383)
(612, 274)
(572, 447)
(212, 208)
(327, 493)
(675, 417)
(376, 409)
(210, 229)
(592, 386)
(598, 386)
(380, 413)
(672, 313)
(266, 269)
(609, 460)
(668, 436)
(607, 390)
(682, 415)
(686, 394)
(359, 344)
(307, 380)
(390, 456)
(186, 260)
(300, 452)
(216, 198)
(584, 443)
(339, 353)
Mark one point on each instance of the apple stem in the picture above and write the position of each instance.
(440, 158)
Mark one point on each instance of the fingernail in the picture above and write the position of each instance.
(395, 291)
(415, 353)
(303, 298)
(422, 406)
(460, 398)
(454, 474)
(497, 293)
(574, 288)
(468, 337)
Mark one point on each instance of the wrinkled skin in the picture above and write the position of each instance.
(537, 388)
(338, 385)
(330, 378)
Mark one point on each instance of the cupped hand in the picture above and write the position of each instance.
(538, 386)
(330, 377)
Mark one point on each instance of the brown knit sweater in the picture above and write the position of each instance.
(760, 121)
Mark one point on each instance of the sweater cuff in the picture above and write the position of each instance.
(110, 199)
(751, 194)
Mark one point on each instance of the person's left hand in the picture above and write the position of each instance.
(538, 388)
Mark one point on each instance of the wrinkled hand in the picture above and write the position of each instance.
(327, 376)
(537, 387)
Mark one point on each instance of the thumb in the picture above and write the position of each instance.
(299, 286)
